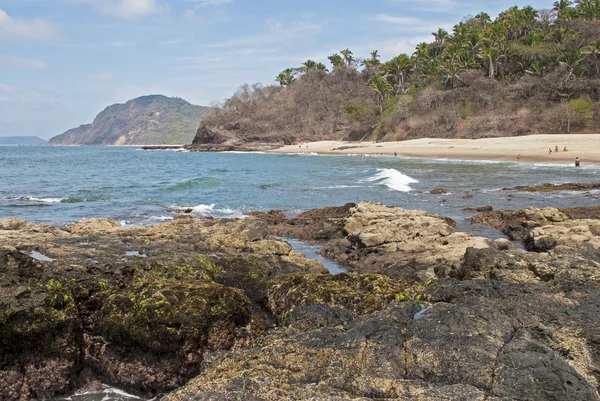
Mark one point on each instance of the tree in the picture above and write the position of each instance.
(561, 6)
(321, 67)
(588, 9)
(348, 57)
(336, 60)
(309, 65)
(286, 77)
(492, 52)
(397, 70)
(382, 88)
(440, 37)
(483, 18)
(373, 62)
(451, 69)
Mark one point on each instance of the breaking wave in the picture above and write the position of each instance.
(393, 179)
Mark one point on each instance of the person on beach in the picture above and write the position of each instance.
(549, 151)
(565, 149)
(556, 148)
(577, 162)
(395, 154)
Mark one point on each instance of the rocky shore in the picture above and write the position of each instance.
(217, 309)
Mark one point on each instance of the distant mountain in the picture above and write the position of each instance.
(146, 120)
(22, 140)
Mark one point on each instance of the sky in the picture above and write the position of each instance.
(64, 61)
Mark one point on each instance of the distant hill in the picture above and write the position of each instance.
(22, 140)
(146, 120)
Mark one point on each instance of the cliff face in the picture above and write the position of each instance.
(147, 120)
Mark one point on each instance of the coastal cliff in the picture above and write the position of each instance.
(147, 120)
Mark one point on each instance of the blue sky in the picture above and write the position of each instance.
(63, 61)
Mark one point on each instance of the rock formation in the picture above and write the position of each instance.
(226, 311)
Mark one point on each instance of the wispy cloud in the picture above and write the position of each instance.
(277, 32)
(6, 89)
(205, 3)
(19, 62)
(127, 9)
(435, 6)
(192, 15)
(36, 29)
(103, 77)
(399, 20)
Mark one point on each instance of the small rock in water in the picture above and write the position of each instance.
(439, 191)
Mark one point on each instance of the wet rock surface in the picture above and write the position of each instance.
(548, 187)
(227, 312)
(499, 323)
(139, 307)
(313, 225)
(402, 244)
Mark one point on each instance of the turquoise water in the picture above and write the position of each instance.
(59, 185)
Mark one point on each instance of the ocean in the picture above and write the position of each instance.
(61, 185)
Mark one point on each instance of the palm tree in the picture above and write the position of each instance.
(348, 57)
(309, 65)
(336, 60)
(539, 68)
(286, 77)
(382, 88)
(440, 37)
(589, 9)
(492, 52)
(483, 18)
(561, 6)
(397, 70)
(320, 67)
(451, 69)
(571, 58)
(372, 63)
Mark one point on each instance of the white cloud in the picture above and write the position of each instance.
(6, 89)
(19, 62)
(205, 3)
(36, 29)
(192, 16)
(430, 5)
(127, 9)
(102, 76)
(398, 20)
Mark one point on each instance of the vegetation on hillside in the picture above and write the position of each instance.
(147, 120)
(525, 72)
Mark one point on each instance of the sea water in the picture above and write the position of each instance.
(61, 185)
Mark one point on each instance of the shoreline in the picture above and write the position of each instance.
(532, 148)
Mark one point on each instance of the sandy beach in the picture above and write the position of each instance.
(533, 148)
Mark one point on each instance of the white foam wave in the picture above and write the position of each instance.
(203, 210)
(393, 179)
(210, 211)
(42, 200)
(340, 187)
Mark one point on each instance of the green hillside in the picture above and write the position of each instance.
(147, 120)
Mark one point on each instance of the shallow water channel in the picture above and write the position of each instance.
(310, 249)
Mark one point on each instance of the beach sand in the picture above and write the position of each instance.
(532, 148)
